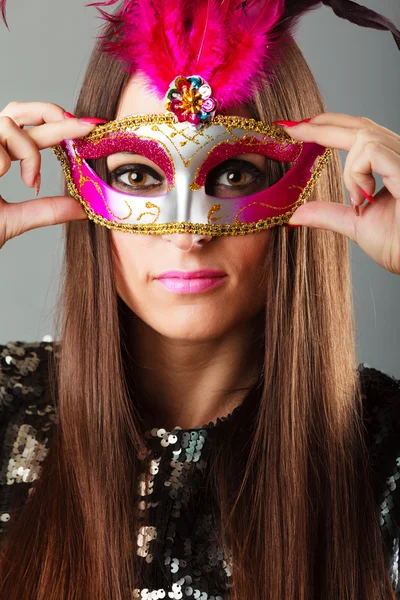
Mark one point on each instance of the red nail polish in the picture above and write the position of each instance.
(92, 120)
(286, 123)
(367, 196)
(68, 115)
(291, 123)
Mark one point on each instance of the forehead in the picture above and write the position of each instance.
(138, 98)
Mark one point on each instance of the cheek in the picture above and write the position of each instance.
(249, 252)
(248, 256)
(200, 316)
(130, 255)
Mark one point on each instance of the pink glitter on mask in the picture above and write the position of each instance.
(186, 157)
(274, 150)
(127, 142)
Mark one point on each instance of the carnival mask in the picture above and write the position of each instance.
(228, 49)
(186, 155)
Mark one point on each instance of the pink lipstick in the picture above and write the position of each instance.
(191, 282)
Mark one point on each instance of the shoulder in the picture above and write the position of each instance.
(27, 416)
(24, 377)
(381, 410)
(376, 383)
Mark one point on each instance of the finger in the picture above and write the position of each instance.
(24, 145)
(50, 134)
(33, 113)
(359, 178)
(379, 158)
(5, 161)
(41, 212)
(19, 146)
(335, 136)
(343, 120)
(327, 215)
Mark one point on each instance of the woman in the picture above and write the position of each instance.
(212, 444)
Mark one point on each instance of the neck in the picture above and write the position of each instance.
(189, 383)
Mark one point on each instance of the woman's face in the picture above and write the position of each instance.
(140, 259)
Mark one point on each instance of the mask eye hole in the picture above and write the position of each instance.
(138, 177)
(244, 175)
(236, 177)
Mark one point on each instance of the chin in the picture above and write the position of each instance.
(199, 329)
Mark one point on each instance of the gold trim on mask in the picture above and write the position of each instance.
(83, 180)
(260, 204)
(151, 205)
(228, 121)
(249, 142)
(175, 132)
(142, 137)
(213, 210)
(199, 228)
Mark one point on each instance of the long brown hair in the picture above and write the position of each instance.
(299, 520)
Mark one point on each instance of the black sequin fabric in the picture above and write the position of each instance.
(178, 540)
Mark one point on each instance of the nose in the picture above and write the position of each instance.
(187, 241)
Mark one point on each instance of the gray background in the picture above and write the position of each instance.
(43, 59)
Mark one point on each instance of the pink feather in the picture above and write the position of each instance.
(253, 49)
(207, 42)
(142, 43)
(174, 24)
(232, 44)
(225, 43)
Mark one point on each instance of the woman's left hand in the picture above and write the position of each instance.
(371, 147)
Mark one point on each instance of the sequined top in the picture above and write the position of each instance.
(181, 531)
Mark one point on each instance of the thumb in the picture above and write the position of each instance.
(326, 215)
(41, 212)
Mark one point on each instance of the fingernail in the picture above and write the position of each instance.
(355, 208)
(92, 121)
(36, 183)
(286, 123)
(291, 123)
(68, 115)
(367, 196)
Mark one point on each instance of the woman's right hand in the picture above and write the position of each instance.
(53, 125)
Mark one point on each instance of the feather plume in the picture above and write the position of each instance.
(345, 9)
(3, 12)
(253, 48)
(232, 44)
(207, 40)
(224, 42)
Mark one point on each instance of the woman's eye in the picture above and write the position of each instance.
(137, 178)
(235, 177)
(133, 178)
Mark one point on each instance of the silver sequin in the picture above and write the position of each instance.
(178, 537)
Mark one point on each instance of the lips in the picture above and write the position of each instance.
(191, 282)
(204, 273)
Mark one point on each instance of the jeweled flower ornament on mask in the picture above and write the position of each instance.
(203, 57)
(190, 99)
